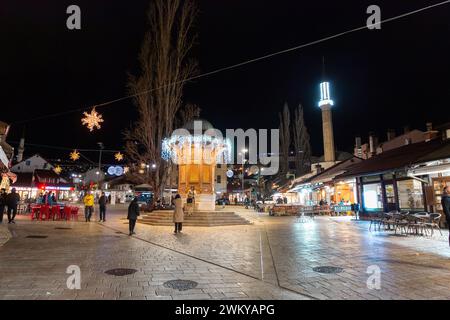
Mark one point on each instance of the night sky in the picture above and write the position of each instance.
(380, 79)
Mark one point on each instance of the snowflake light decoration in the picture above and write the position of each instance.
(57, 169)
(118, 156)
(74, 155)
(92, 120)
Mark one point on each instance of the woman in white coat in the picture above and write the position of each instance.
(178, 214)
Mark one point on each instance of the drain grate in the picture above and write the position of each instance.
(63, 228)
(328, 269)
(36, 237)
(120, 272)
(180, 285)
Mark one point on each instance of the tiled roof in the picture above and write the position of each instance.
(400, 158)
(335, 170)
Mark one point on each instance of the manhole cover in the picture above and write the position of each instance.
(120, 272)
(181, 285)
(328, 269)
(36, 237)
(63, 228)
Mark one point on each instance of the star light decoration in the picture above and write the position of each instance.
(57, 169)
(118, 156)
(74, 155)
(92, 120)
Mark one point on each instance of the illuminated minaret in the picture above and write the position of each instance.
(325, 105)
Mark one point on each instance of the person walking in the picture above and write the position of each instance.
(102, 207)
(12, 200)
(445, 202)
(2, 203)
(178, 214)
(133, 214)
(88, 206)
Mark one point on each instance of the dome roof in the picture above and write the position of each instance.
(205, 124)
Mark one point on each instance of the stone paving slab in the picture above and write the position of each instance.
(271, 259)
(5, 235)
(36, 268)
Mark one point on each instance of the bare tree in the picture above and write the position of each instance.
(188, 113)
(302, 146)
(164, 66)
(285, 138)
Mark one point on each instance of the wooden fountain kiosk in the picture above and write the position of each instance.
(197, 151)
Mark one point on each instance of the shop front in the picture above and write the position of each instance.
(438, 177)
(391, 192)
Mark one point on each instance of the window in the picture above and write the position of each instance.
(28, 162)
(410, 195)
(45, 165)
(219, 179)
(373, 199)
(219, 166)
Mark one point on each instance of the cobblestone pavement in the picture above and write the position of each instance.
(271, 259)
(5, 235)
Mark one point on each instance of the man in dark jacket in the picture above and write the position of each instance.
(12, 200)
(2, 204)
(133, 214)
(102, 207)
(445, 201)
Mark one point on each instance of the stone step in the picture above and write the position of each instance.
(192, 217)
(196, 221)
(198, 218)
(158, 213)
(190, 224)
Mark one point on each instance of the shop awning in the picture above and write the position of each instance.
(326, 176)
(430, 169)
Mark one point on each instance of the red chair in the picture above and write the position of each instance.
(44, 213)
(55, 212)
(74, 213)
(66, 212)
(35, 212)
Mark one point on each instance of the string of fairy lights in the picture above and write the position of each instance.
(76, 154)
(92, 120)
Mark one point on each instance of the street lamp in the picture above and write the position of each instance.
(244, 151)
(101, 147)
